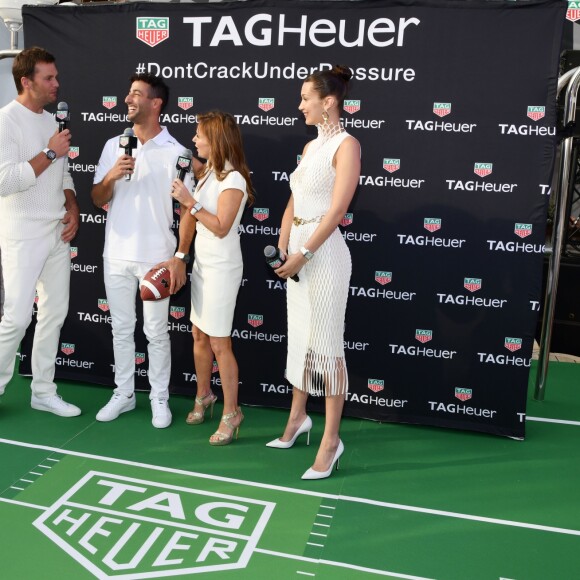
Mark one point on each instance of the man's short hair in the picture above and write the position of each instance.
(159, 90)
(25, 62)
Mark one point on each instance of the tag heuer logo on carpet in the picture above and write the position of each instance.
(512, 344)
(375, 385)
(463, 394)
(103, 304)
(423, 335)
(383, 277)
(346, 220)
(139, 358)
(573, 12)
(472, 284)
(152, 31)
(266, 104)
(177, 311)
(523, 230)
(351, 106)
(391, 165)
(261, 213)
(442, 109)
(185, 103)
(67, 348)
(255, 320)
(432, 224)
(536, 113)
(483, 169)
(73, 152)
(109, 102)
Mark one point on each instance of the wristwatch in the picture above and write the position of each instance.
(196, 207)
(50, 154)
(307, 253)
(182, 256)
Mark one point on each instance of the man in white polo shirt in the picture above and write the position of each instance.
(39, 215)
(138, 236)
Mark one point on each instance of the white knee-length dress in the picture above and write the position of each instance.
(317, 302)
(217, 267)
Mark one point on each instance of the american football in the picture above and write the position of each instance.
(155, 284)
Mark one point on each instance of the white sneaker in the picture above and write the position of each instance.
(161, 413)
(54, 404)
(117, 404)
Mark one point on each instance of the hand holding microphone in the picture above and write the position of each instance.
(62, 116)
(178, 190)
(128, 141)
(275, 259)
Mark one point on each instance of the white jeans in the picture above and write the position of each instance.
(121, 283)
(41, 264)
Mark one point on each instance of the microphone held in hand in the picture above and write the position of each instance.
(62, 116)
(128, 141)
(274, 259)
(183, 165)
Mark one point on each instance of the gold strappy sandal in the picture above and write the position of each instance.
(196, 417)
(221, 438)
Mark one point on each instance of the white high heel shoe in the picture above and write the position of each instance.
(304, 428)
(313, 474)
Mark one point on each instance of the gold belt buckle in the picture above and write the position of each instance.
(298, 221)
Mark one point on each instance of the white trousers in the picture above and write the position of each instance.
(41, 264)
(121, 283)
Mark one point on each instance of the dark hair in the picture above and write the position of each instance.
(159, 90)
(25, 62)
(333, 82)
(225, 142)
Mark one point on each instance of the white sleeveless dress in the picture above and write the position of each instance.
(317, 302)
(217, 269)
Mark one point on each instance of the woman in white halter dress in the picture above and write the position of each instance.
(322, 186)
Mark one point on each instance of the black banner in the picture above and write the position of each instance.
(453, 103)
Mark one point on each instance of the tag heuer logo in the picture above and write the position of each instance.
(139, 358)
(185, 103)
(67, 348)
(214, 367)
(432, 224)
(177, 208)
(472, 284)
(463, 394)
(266, 104)
(109, 102)
(73, 152)
(483, 169)
(512, 344)
(383, 277)
(261, 213)
(423, 335)
(346, 220)
(74, 252)
(35, 297)
(351, 106)
(298, 159)
(573, 12)
(103, 304)
(152, 31)
(375, 385)
(255, 320)
(442, 109)
(177, 311)
(536, 113)
(523, 230)
(391, 165)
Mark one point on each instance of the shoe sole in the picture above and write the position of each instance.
(71, 414)
(113, 418)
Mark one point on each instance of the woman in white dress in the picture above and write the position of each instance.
(224, 187)
(322, 186)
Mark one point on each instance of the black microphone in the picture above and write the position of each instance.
(183, 164)
(62, 116)
(274, 259)
(129, 142)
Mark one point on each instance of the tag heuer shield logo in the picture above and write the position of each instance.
(103, 304)
(351, 106)
(109, 102)
(442, 109)
(523, 230)
(483, 169)
(472, 284)
(463, 394)
(266, 104)
(255, 320)
(423, 335)
(512, 344)
(152, 31)
(375, 385)
(573, 12)
(139, 358)
(185, 103)
(391, 165)
(432, 224)
(73, 152)
(74, 252)
(346, 220)
(536, 113)
(67, 347)
(177, 312)
(261, 213)
(383, 277)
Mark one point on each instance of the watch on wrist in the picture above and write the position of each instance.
(183, 257)
(196, 207)
(307, 253)
(50, 154)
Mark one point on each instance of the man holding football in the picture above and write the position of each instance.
(138, 236)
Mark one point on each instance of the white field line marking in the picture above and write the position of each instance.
(300, 491)
(313, 544)
(559, 421)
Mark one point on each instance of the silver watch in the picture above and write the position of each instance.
(307, 253)
(196, 207)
